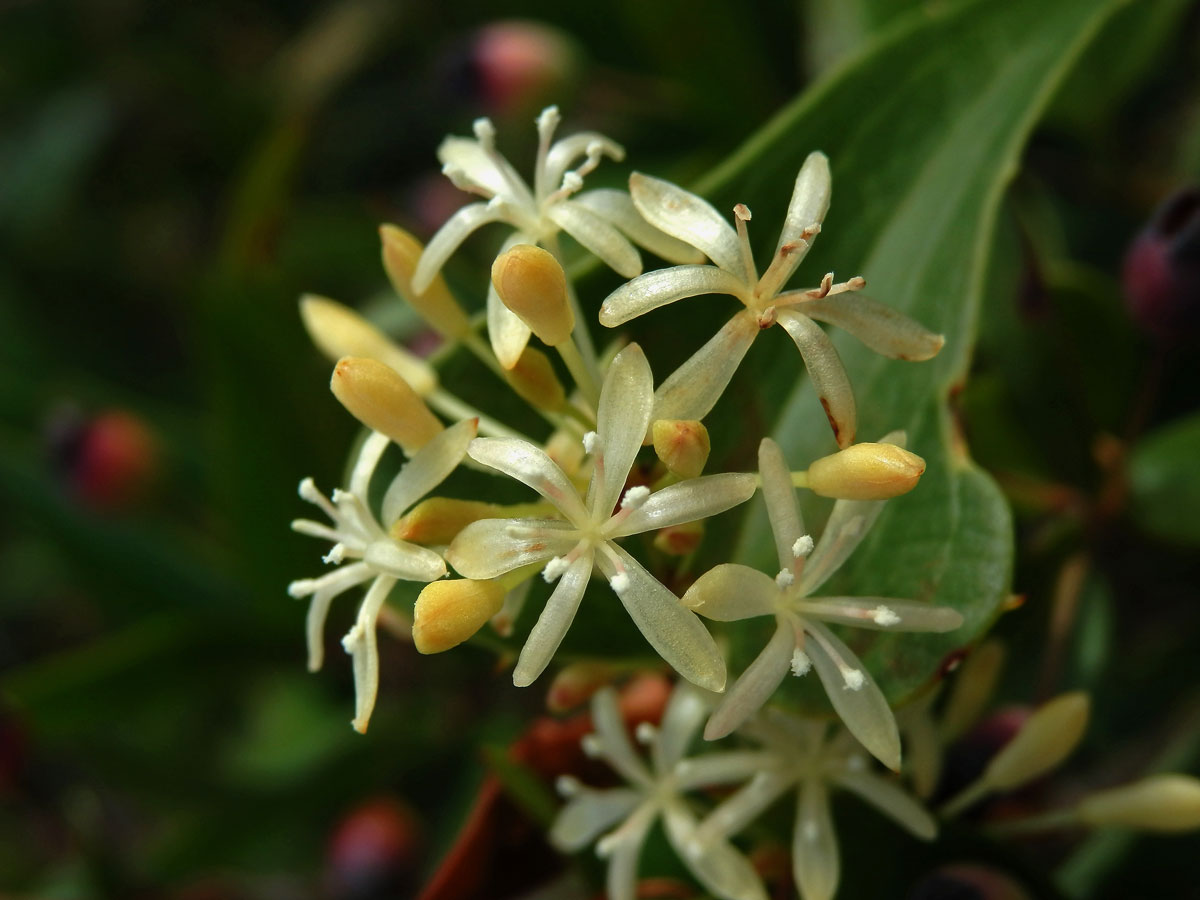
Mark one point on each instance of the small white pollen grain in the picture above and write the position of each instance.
(554, 568)
(884, 616)
(589, 442)
(619, 583)
(803, 546)
(635, 497)
(567, 786)
(645, 732)
(548, 118)
(572, 182)
(784, 578)
(590, 744)
(855, 679)
(800, 662)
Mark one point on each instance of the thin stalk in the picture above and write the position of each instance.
(583, 375)
(452, 407)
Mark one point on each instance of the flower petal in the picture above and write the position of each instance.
(589, 814)
(531, 466)
(815, 861)
(672, 630)
(682, 718)
(692, 390)
(846, 528)
(626, 845)
(880, 327)
(782, 508)
(369, 455)
(429, 468)
(448, 238)
(689, 501)
(715, 769)
(554, 621)
(563, 154)
(621, 422)
(490, 547)
(403, 560)
(613, 739)
(507, 332)
(616, 208)
(691, 219)
(826, 371)
(717, 865)
(756, 684)
(729, 592)
(892, 801)
(663, 286)
(491, 171)
(324, 590)
(598, 236)
(810, 200)
(884, 614)
(359, 642)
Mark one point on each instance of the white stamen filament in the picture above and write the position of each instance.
(741, 215)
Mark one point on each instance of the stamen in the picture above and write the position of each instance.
(485, 133)
(782, 266)
(608, 843)
(568, 785)
(619, 583)
(590, 442)
(302, 587)
(768, 317)
(784, 579)
(309, 492)
(741, 215)
(635, 497)
(554, 569)
(803, 546)
(591, 746)
(336, 556)
(547, 123)
(645, 733)
(884, 616)
(854, 678)
(801, 664)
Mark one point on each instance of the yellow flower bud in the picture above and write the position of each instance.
(379, 398)
(532, 284)
(565, 448)
(866, 472)
(679, 540)
(1158, 803)
(437, 306)
(1047, 738)
(574, 684)
(682, 445)
(449, 612)
(338, 331)
(534, 380)
(438, 520)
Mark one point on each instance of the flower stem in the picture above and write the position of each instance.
(580, 371)
(452, 407)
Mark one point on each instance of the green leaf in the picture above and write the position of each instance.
(1164, 476)
(924, 131)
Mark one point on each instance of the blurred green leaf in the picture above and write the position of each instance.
(1164, 477)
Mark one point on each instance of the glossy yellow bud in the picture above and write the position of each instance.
(1047, 738)
(682, 445)
(866, 472)
(437, 306)
(535, 382)
(449, 612)
(1158, 803)
(338, 331)
(438, 520)
(532, 284)
(679, 540)
(379, 398)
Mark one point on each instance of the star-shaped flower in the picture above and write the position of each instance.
(802, 641)
(696, 386)
(653, 790)
(363, 550)
(589, 527)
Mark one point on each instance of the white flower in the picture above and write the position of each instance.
(731, 592)
(692, 391)
(596, 219)
(653, 790)
(586, 534)
(364, 551)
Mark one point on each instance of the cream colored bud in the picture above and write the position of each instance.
(535, 382)
(565, 448)
(437, 306)
(377, 396)
(1158, 803)
(682, 445)
(532, 284)
(1047, 738)
(679, 540)
(438, 520)
(574, 684)
(866, 472)
(338, 331)
(449, 612)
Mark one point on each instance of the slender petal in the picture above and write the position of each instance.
(369, 455)
(827, 372)
(755, 685)
(490, 171)
(598, 236)
(691, 219)
(613, 740)
(589, 814)
(675, 632)
(621, 422)
(360, 643)
(880, 327)
(884, 614)
(815, 860)
(693, 389)
(663, 286)
(714, 769)
(730, 591)
(617, 208)
(621, 878)
(531, 466)
(682, 718)
(507, 333)
(720, 868)
(401, 559)
(327, 588)
(564, 153)
(490, 547)
(810, 200)
(427, 469)
(689, 501)
(893, 802)
(782, 508)
(847, 527)
(554, 621)
(447, 239)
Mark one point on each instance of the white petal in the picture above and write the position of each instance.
(507, 332)
(675, 632)
(880, 327)
(609, 726)
(756, 684)
(826, 371)
(616, 207)
(554, 621)
(589, 814)
(369, 455)
(692, 390)
(490, 547)
(815, 861)
(892, 801)
(715, 769)
(859, 703)
(621, 422)
(621, 879)
(720, 868)
(326, 589)
(598, 236)
(531, 466)
(403, 560)
(691, 219)
(490, 171)
(747, 803)
(731, 591)
(427, 469)
(680, 721)
(663, 286)
(689, 501)
(884, 614)
(448, 238)
(782, 508)
(360, 644)
(564, 153)
(810, 199)
(848, 525)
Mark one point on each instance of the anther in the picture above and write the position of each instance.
(801, 664)
(802, 546)
(635, 497)
(784, 579)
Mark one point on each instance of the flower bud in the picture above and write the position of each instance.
(574, 684)
(972, 689)
(535, 382)
(377, 396)
(449, 612)
(682, 445)
(437, 305)
(1161, 274)
(1158, 803)
(338, 331)
(565, 448)
(1047, 738)
(532, 284)
(866, 472)
(438, 520)
(679, 540)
